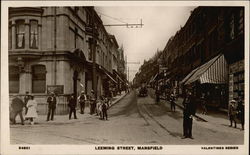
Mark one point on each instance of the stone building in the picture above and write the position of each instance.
(59, 49)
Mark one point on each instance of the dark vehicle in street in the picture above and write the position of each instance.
(143, 91)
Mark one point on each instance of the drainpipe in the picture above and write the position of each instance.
(54, 52)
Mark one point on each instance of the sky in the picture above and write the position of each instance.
(160, 23)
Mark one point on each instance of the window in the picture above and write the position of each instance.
(232, 27)
(10, 35)
(38, 79)
(13, 79)
(33, 34)
(20, 32)
(89, 49)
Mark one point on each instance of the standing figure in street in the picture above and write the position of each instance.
(92, 102)
(241, 112)
(17, 109)
(82, 100)
(26, 98)
(72, 106)
(203, 104)
(172, 102)
(99, 107)
(157, 95)
(32, 110)
(51, 106)
(105, 109)
(232, 112)
(189, 109)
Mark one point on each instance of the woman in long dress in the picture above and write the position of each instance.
(32, 110)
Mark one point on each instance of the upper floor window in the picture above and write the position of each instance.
(20, 34)
(33, 34)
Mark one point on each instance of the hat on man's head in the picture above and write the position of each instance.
(92, 91)
(82, 92)
(233, 101)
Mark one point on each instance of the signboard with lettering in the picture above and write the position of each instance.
(57, 89)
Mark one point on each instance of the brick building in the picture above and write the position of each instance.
(207, 54)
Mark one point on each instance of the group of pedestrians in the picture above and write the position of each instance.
(28, 106)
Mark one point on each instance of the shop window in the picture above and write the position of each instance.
(20, 34)
(38, 79)
(14, 79)
(33, 34)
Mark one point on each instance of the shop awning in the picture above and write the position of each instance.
(214, 71)
(111, 78)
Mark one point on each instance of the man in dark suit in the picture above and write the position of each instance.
(26, 99)
(189, 109)
(72, 106)
(51, 106)
(17, 109)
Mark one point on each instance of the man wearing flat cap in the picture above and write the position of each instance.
(82, 100)
(232, 112)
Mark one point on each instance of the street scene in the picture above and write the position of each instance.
(132, 120)
(90, 75)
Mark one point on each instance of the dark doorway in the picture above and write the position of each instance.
(75, 78)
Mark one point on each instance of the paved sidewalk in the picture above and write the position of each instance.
(58, 119)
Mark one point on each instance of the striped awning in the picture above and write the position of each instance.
(214, 71)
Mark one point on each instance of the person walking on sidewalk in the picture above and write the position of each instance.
(82, 100)
(17, 109)
(26, 99)
(92, 102)
(72, 106)
(172, 102)
(241, 112)
(32, 110)
(189, 109)
(232, 112)
(51, 100)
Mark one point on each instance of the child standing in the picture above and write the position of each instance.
(32, 110)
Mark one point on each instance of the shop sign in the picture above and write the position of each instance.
(57, 89)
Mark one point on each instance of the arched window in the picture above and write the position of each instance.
(13, 79)
(20, 34)
(33, 34)
(38, 79)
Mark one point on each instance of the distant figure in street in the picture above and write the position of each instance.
(157, 95)
(17, 109)
(203, 104)
(232, 112)
(26, 98)
(99, 107)
(172, 102)
(105, 109)
(51, 100)
(82, 100)
(72, 106)
(241, 112)
(32, 110)
(92, 102)
(189, 109)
